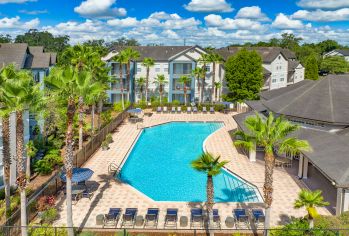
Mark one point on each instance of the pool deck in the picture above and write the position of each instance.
(110, 193)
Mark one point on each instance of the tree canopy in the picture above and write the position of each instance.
(5, 38)
(244, 75)
(335, 65)
(311, 68)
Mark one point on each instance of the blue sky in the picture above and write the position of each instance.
(205, 22)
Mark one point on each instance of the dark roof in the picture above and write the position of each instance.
(266, 72)
(36, 49)
(268, 54)
(158, 53)
(344, 52)
(13, 53)
(325, 100)
(256, 105)
(332, 161)
(38, 61)
(292, 65)
(53, 58)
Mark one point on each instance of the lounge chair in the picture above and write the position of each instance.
(258, 217)
(112, 217)
(204, 109)
(171, 217)
(188, 109)
(151, 218)
(196, 218)
(173, 109)
(216, 219)
(87, 194)
(179, 109)
(211, 109)
(241, 218)
(129, 218)
(158, 109)
(195, 109)
(165, 110)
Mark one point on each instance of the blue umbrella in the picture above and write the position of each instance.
(79, 175)
(136, 110)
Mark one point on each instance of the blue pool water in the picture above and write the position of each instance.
(159, 166)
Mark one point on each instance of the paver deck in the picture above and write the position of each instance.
(110, 193)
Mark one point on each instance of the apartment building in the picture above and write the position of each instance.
(339, 52)
(39, 63)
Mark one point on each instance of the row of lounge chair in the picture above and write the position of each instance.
(197, 218)
(179, 110)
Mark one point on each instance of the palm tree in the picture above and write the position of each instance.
(217, 87)
(141, 82)
(64, 81)
(22, 94)
(147, 63)
(215, 59)
(160, 81)
(185, 80)
(197, 74)
(122, 60)
(6, 73)
(272, 133)
(210, 165)
(31, 152)
(310, 200)
(205, 58)
(130, 55)
(78, 56)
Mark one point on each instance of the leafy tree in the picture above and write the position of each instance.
(310, 200)
(141, 82)
(311, 68)
(328, 45)
(50, 42)
(5, 38)
(290, 41)
(160, 80)
(270, 133)
(334, 65)
(244, 75)
(212, 166)
(147, 63)
(123, 42)
(98, 45)
(185, 80)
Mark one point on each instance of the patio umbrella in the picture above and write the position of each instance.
(226, 104)
(135, 111)
(79, 175)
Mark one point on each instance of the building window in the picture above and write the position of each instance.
(279, 57)
(166, 69)
(273, 81)
(281, 79)
(208, 68)
(139, 69)
(157, 69)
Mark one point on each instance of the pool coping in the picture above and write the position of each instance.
(123, 161)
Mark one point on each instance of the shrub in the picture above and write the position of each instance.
(176, 103)
(106, 117)
(53, 159)
(297, 227)
(43, 167)
(87, 234)
(2, 192)
(327, 222)
(142, 104)
(118, 107)
(50, 215)
(105, 145)
(46, 230)
(45, 202)
(109, 138)
(344, 218)
(219, 107)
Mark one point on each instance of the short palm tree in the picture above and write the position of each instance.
(185, 80)
(147, 63)
(197, 73)
(310, 200)
(141, 82)
(130, 55)
(270, 133)
(215, 59)
(217, 87)
(160, 80)
(210, 165)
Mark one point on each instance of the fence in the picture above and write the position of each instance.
(54, 184)
(61, 231)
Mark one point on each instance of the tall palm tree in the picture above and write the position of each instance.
(160, 81)
(147, 63)
(141, 82)
(270, 133)
(6, 73)
(204, 59)
(215, 59)
(131, 55)
(22, 94)
(210, 165)
(184, 80)
(217, 87)
(310, 200)
(197, 74)
(31, 152)
(64, 81)
(122, 60)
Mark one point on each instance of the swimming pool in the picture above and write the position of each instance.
(159, 165)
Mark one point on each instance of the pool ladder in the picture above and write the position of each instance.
(114, 169)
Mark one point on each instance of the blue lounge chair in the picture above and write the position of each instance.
(179, 109)
(188, 109)
(129, 218)
(171, 217)
(158, 109)
(204, 109)
(216, 219)
(241, 218)
(112, 217)
(173, 109)
(151, 218)
(211, 109)
(196, 218)
(258, 217)
(195, 109)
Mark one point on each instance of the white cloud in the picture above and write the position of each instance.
(208, 6)
(16, 1)
(99, 9)
(16, 23)
(170, 34)
(217, 21)
(323, 4)
(35, 12)
(284, 22)
(123, 23)
(253, 12)
(321, 15)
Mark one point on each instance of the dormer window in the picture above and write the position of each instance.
(279, 57)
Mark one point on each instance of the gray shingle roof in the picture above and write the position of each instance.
(344, 52)
(36, 49)
(325, 100)
(53, 58)
(38, 61)
(292, 65)
(256, 105)
(13, 53)
(158, 53)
